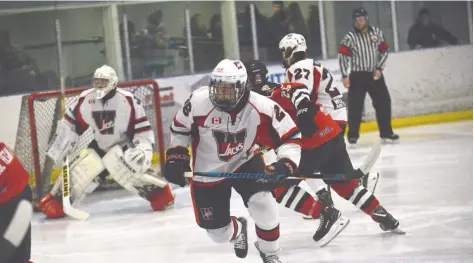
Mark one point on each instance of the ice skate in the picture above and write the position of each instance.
(241, 245)
(332, 223)
(268, 257)
(386, 221)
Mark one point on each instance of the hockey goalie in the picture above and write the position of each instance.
(121, 148)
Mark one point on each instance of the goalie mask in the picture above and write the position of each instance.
(104, 81)
(290, 45)
(228, 84)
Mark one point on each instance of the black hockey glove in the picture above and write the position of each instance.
(306, 112)
(284, 167)
(177, 163)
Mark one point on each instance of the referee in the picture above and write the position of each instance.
(362, 56)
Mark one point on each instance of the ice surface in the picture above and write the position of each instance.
(426, 183)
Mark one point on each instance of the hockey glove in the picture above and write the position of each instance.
(283, 167)
(306, 113)
(177, 163)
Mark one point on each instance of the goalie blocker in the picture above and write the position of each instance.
(93, 165)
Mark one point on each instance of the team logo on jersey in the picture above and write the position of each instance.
(207, 213)
(229, 144)
(105, 121)
(374, 38)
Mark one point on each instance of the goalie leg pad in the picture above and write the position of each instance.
(84, 169)
(150, 188)
(122, 172)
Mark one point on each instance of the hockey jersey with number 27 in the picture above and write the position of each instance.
(321, 86)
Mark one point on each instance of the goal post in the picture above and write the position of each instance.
(40, 113)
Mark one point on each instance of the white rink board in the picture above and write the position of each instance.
(426, 183)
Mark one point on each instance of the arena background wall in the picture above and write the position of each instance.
(426, 86)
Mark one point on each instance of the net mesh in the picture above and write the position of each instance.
(39, 115)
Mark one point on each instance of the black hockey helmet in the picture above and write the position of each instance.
(257, 74)
(360, 11)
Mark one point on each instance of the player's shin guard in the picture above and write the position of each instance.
(357, 195)
(264, 211)
(162, 199)
(297, 199)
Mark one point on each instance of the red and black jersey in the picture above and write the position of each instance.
(328, 128)
(13, 177)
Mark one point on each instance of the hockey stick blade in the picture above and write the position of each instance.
(67, 207)
(371, 159)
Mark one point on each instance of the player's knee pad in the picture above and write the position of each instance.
(19, 224)
(221, 235)
(51, 207)
(263, 209)
(162, 199)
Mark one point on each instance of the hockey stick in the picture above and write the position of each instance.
(66, 197)
(357, 174)
(67, 207)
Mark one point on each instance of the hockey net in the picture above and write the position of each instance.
(39, 115)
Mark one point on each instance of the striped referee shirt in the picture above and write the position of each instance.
(362, 51)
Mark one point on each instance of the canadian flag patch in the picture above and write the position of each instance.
(216, 120)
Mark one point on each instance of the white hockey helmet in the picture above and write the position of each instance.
(104, 80)
(228, 84)
(289, 45)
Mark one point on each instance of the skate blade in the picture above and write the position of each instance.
(398, 231)
(335, 230)
(390, 141)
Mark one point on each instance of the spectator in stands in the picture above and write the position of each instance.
(314, 32)
(215, 28)
(278, 25)
(425, 34)
(197, 28)
(295, 20)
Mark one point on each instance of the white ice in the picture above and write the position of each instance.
(426, 183)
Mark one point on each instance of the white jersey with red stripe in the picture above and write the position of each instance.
(321, 85)
(118, 118)
(222, 141)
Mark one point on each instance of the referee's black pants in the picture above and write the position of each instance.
(362, 83)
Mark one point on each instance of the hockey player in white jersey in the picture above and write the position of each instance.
(122, 146)
(222, 122)
(309, 72)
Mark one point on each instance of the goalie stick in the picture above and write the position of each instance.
(66, 195)
(67, 206)
(357, 174)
